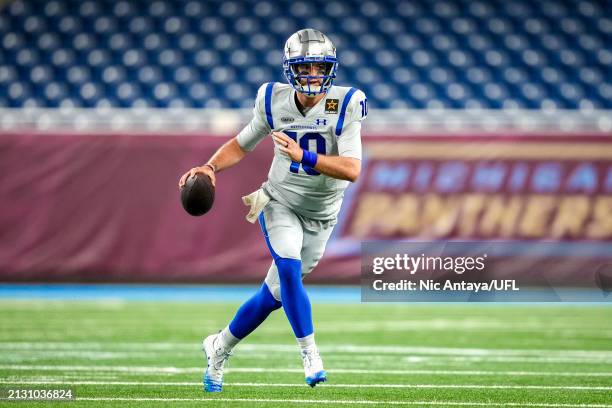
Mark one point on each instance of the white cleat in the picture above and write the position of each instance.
(313, 367)
(216, 356)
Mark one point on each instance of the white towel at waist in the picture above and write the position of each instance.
(257, 200)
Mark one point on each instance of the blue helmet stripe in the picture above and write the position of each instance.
(345, 102)
(268, 102)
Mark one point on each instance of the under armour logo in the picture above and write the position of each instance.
(320, 122)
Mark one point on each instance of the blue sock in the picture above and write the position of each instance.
(253, 312)
(294, 297)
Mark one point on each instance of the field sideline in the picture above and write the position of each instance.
(140, 354)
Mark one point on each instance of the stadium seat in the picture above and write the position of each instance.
(417, 54)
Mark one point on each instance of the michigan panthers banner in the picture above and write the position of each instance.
(106, 207)
(485, 187)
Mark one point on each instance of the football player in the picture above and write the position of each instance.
(316, 128)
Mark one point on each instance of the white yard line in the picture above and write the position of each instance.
(287, 348)
(286, 385)
(384, 359)
(350, 402)
(187, 370)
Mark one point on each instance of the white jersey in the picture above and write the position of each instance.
(332, 127)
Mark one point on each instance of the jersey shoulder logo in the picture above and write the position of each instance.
(331, 105)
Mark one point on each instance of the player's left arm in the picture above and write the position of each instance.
(340, 167)
(345, 166)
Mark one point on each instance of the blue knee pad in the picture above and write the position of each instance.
(253, 312)
(294, 297)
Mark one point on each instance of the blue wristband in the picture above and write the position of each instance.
(309, 158)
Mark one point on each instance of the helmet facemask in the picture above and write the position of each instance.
(304, 81)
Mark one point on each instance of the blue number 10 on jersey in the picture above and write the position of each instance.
(304, 143)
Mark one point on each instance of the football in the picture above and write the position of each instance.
(198, 195)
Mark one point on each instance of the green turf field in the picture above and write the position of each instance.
(134, 354)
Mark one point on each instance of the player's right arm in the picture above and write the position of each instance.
(226, 156)
(231, 152)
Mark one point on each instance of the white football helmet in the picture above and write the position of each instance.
(309, 46)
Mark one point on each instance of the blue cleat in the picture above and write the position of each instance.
(211, 385)
(313, 367)
(318, 377)
(216, 356)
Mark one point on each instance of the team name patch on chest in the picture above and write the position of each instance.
(302, 126)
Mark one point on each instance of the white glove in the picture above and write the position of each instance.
(257, 200)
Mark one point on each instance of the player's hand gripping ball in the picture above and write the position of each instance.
(198, 194)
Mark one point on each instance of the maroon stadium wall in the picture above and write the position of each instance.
(107, 208)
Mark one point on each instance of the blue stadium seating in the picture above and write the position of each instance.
(414, 54)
